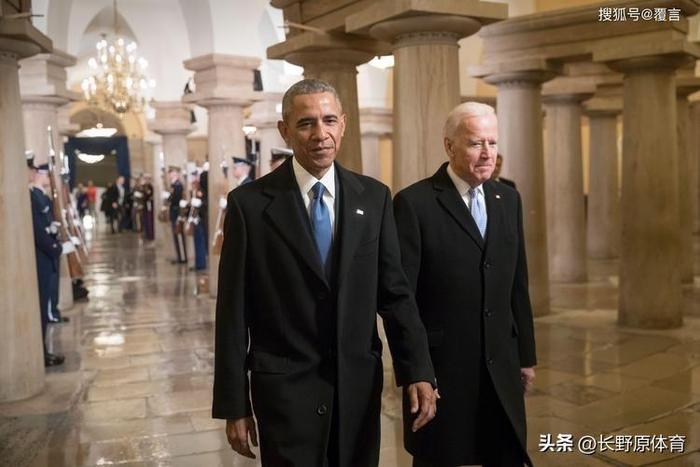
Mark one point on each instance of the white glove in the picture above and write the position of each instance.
(222, 202)
(196, 202)
(165, 195)
(53, 228)
(138, 194)
(67, 247)
(183, 203)
(75, 240)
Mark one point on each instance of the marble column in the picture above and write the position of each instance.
(564, 188)
(603, 223)
(687, 172)
(44, 92)
(22, 362)
(694, 110)
(375, 123)
(224, 86)
(426, 88)
(264, 116)
(172, 123)
(520, 140)
(334, 58)
(650, 279)
(424, 37)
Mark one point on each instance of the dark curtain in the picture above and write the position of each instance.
(115, 146)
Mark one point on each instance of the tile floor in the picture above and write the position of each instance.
(136, 386)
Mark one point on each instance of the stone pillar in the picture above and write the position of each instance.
(519, 102)
(375, 123)
(334, 58)
(687, 205)
(564, 188)
(22, 364)
(650, 279)
(172, 123)
(426, 73)
(603, 223)
(694, 110)
(264, 116)
(43, 89)
(224, 86)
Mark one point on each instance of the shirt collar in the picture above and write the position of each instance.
(306, 181)
(462, 186)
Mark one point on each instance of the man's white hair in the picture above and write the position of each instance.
(462, 111)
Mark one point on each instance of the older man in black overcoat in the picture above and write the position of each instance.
(463, 250)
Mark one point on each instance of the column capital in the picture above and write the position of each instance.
(377, 121)
(687, 85)
(567, 90)
(267, 111)
(599, 106)
(660, 62)
(312, 47)
(413, 22)
(20, 39)
(222, 77)
(45, 75)
(172, 117)
(524, 72)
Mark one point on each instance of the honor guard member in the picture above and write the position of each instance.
(241, 170)
(47, 250)
(497, 173)
(176, 192)
(278, 156)
(147, 220)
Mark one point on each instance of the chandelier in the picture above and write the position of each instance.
(118, 80)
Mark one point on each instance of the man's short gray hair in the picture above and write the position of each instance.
(304, 87)
(462, 111)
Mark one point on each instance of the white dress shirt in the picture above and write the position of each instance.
(463, 189)
(306, 181)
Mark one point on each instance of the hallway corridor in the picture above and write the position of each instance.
(136, 386)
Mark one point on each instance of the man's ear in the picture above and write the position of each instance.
(448, 146)
(344, 123)
(284, 130)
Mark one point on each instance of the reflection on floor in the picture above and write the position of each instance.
(136, 386)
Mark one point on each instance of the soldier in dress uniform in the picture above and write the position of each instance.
(278, 156)
(148, 208)
(176, 195)
(196, 222)
(241, 170)
(48, 251)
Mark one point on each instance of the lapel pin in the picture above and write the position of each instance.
(360, 212)
(498, 196)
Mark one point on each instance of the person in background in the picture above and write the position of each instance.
(497, 173)
(241, 170)
(278, 156)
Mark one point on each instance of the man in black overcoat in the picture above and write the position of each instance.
(463, 250)
(311, 344)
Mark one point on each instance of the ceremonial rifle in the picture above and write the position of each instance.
(74, 267)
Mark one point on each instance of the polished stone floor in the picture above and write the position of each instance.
(136, 386)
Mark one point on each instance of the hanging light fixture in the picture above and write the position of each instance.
(118, 81)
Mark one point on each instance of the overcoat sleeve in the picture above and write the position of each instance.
(404, 329)
(231, 399)
(520, 301)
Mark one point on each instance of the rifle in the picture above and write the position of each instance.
(74, 227)
(163, 215)
(218, 239)
(74, 267)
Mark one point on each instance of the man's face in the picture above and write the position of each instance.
(314, 129)
(120, 180)
(472, 150)
(240, 170)
(173, 176)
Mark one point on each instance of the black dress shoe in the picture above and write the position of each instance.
(53, 359)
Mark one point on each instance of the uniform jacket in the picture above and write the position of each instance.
(474, 302)
(176, 191)
(313, 340)
(48, 249)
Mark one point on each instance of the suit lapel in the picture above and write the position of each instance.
(494, 211)
(449, 198)
(351, 222)
(287, 214)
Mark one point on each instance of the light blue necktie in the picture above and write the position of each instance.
(321, 222)
(476, 207)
